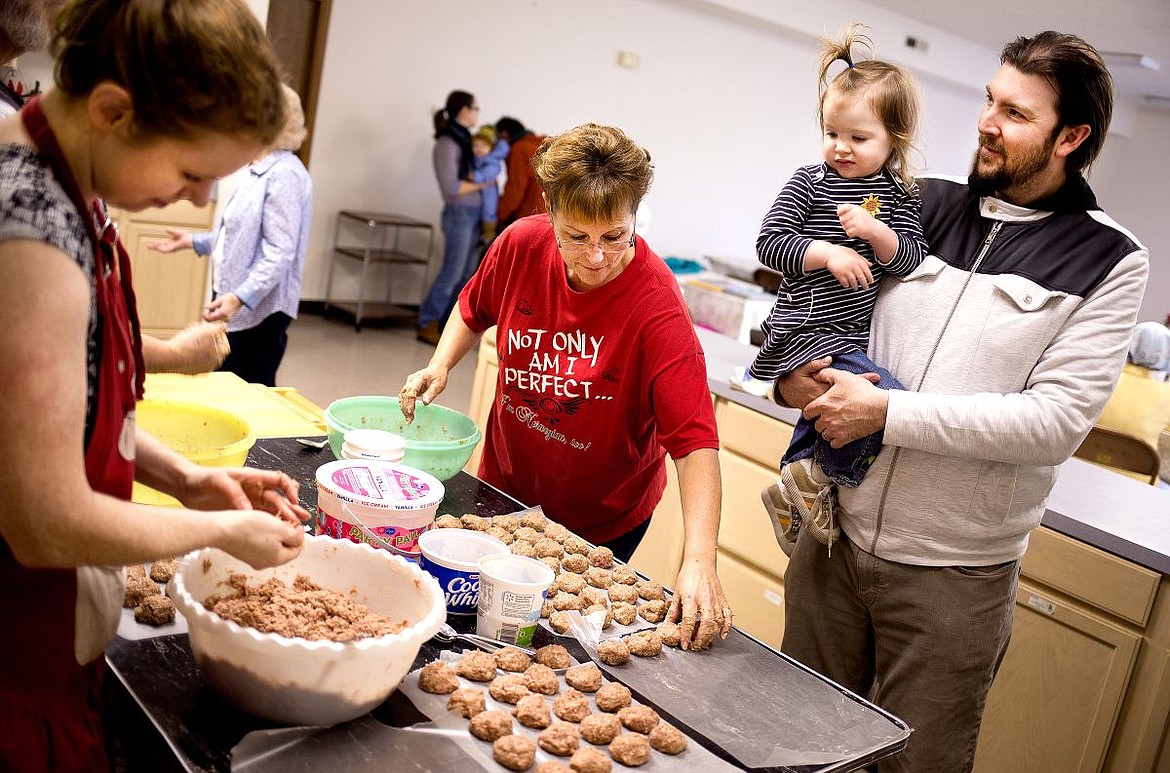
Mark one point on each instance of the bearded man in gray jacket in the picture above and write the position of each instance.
(1009, 338)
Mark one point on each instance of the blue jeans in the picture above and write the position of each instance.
(846, 465)
(461, 228)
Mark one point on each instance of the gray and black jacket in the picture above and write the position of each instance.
(1009, 337)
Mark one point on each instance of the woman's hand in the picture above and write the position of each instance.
(259, 540)
(699, 606)
(425, 385)
(223, 308)
(243, 488)
(176, 240)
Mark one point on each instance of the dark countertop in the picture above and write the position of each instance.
(781, 716)
(1099, 507)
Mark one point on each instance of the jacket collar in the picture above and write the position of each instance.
(261, 167)
(1074, 196)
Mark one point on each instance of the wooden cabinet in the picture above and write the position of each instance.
(171, 288)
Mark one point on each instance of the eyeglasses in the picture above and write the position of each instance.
(609, 247)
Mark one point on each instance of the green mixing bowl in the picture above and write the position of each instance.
(438, 441)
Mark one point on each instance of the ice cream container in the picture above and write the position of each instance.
(373, 444)
(512, 589)
(452, 557)
(394, 501)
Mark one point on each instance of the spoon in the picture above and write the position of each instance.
(313, 443)
(447, 634)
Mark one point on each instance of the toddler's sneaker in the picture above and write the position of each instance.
(809, 494)
(785, 523)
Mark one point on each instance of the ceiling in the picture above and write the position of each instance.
(1131, 26)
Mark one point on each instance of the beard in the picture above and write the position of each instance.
(1010, 169)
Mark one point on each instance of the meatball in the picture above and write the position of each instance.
(509, 688)
(559, 738)
(508, 523)
(533, 711)
(570, 583)
(605, 612)
(563, 601)
(624, 613)
(590, 596)
(547, 610)
(646, 644)
(503, 535)
(526, 533)
(554, 530)
(448, 521)
(559, 621)
(589, 760)
(630, 749)
(551, 766)
(577, 545)
(667, 739)
(613, 652)
(551, 563)
(467, 702)
(651, 590)
(624, 593)
(575, 562)
(625, 575)
(514, 752)
(155, 610)
(613, 697)
(550, 548)
(600, 729)
(512, 659)
(639, 718)
(585, 677)
(553, 656)
(438, 678)
(535, 521)
(539, 678)
(598, 577)
(490, 725)
(654, 611)
(138, 587)
(522, 547)
(601, 556)
(475, 522)
(163, 570)
(571, 706)
(476, 665)
(669, 633)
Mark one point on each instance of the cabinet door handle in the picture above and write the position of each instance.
(1041, 604)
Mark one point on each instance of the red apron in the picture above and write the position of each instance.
(50, 712)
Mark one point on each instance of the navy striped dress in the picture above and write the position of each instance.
(814, 315)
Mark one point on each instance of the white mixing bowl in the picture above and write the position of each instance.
(295, 680)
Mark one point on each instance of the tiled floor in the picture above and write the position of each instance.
(326, 359)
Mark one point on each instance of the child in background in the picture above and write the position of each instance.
(490, 153)
(835, 229)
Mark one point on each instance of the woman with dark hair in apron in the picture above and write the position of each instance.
(153, 103)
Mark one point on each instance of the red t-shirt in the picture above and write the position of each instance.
(594, 387)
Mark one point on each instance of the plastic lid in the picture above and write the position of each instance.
(380, 484)
(374, 442)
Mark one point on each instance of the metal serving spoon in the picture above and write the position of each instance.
(313, 443)
(447, 634)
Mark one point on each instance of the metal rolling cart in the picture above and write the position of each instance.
(382, 244)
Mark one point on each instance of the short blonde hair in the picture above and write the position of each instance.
(294, 132)
(595, 172)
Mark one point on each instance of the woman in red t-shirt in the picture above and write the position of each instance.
(601, 374)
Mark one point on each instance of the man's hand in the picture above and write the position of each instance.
(223, 308)
(851, 408)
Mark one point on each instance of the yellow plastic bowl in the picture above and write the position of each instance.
(205, 435)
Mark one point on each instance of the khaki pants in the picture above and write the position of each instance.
(922, 642)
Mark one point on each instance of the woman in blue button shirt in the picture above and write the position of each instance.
(258, 254)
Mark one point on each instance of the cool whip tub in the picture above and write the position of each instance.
(397, 503)
(512, 590)
(452, 557)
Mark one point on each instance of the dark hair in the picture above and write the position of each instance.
(456, 101)
(593, 172)
(889, 90)
(510, 126)
(1078, 75)
(188, 65)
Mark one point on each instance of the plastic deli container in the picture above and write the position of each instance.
(373, 444)
(394, 502)
(512, 591)
(452, 557)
